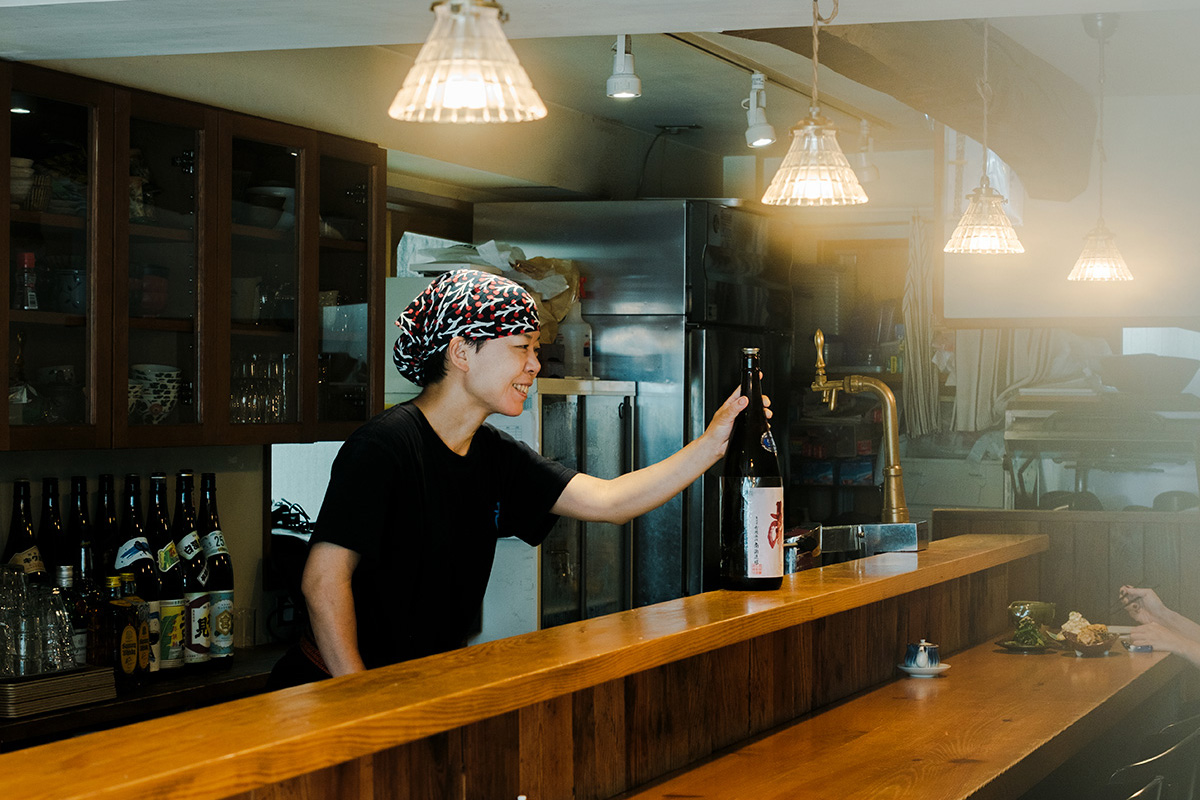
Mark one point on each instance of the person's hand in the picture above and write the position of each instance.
(1143, 605)
(721, 425)
(1159, 637)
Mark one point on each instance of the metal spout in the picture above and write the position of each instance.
(895, 509)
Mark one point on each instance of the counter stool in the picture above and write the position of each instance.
(1151, 791)
(1177, 766)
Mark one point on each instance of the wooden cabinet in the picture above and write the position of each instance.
(196, 276)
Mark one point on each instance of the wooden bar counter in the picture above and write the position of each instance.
(586, 710)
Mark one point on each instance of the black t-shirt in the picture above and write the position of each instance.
(425, 521)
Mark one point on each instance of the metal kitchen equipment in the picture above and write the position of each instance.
(675, 289)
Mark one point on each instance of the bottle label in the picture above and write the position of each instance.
(133, 550)
(198, 637)
(768, 442)
(762, 520)
(168, 557)
(143, 644)
(127, 653)
(214, 543)
(189, 546)
(221, 615)
(170, 633)
(29, 560)
(79, 638)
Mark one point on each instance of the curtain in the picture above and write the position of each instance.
(920, 375)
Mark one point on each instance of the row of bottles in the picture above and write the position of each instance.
(151, 592)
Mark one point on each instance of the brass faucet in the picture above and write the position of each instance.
(894, 507)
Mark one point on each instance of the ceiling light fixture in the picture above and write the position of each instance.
(862, 160)
(1100, 259)
(984, 228)
(467, 71)
(759, 132)
(815, 172)
(624, 83)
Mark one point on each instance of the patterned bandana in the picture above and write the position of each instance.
(467, 303)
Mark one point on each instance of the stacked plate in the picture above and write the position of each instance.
(21, 179)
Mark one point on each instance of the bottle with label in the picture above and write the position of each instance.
(79, 537)
(129, 593)
(197, 628)
(106, 532)
(77, 609)
(134, 556)
(22, 547)
(166, 644)
(50, 533)
(116, 635)
(25, 283)
(220, 571)
(751, 494)
(576, 337)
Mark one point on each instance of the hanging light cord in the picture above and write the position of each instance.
(1101, 155)
(985, 91)
(818, 20)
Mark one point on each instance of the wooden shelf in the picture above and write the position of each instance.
(47, 220)
(143, 231)
(162, 324)
(349, 246)
(52, 318)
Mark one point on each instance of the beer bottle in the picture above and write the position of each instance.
(141, 610)
(79, 537)
(106, 532)
(22, 546)
(118, 635)
(77, 609)
(220, 572)
(50, 533)
(166, 644)
(751, 494)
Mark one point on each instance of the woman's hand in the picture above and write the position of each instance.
(721, 426)
(1143, 605)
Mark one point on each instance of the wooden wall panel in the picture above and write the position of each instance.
(599, 734)
(547, 749)
(727, 672)
(1162, 562)
(490, 755)
(1189, 585)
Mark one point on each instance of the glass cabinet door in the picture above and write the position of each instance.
(343, 292)
(159, 223)
(58, 392)
(266, 213)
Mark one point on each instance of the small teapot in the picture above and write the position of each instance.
(921, 655)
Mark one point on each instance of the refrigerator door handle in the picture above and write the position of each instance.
(628, 415)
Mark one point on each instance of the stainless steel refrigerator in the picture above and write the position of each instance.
(675, 289)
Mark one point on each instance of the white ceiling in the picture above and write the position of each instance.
(565, 47)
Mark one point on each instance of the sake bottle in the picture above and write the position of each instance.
(22, 547)
(751, 494)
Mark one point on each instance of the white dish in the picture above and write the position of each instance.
(1120, 630)
(925, 672)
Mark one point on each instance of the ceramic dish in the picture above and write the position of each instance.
(1017, 647)
(925, 672)
(1098, 649)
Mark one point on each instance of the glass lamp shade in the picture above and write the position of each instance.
(467, 72)
(814, 172)
(1100, 259)
(984, 228)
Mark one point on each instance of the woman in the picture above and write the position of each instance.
(418, 496)
(1159, 626)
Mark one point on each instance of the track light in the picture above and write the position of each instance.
(759, 132)
(623, 83)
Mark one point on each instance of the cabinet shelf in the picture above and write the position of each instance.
(347, 246)
(254, 329)
(266, 234)
(53, 318)
(160, 232)
(47, 220)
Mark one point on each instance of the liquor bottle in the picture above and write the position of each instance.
(116, 635)
(77, 609)
(107, 531)
(79, 537)
(50, 533)
(196, 623)
(220, 571)
(166, 643)
(22, 547)
(141, 609)
(134, 556)
(575, 336)
(751, 494)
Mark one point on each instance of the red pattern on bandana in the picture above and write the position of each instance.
(474, 305)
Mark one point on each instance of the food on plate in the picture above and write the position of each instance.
(1092, 634)
(1029, 634)
(1075, 623)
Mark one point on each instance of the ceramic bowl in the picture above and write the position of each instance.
(1097, 649)
(1040, 611)
(135, 394)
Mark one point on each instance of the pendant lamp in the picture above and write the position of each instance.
(815, 172)
(467, 71)
(1100, 259)
(984, 228)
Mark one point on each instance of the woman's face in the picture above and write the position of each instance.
(502, 372)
